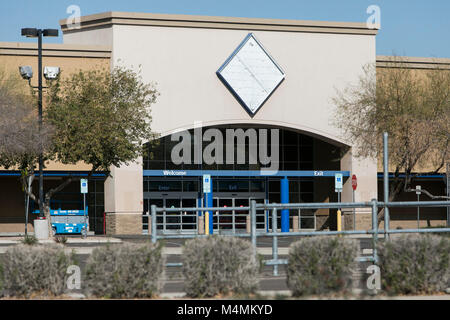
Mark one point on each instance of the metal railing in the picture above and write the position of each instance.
(274, 207)
(170, 222)
(186, 221)
(448, 191)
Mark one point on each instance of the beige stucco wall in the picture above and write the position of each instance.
(183, 62)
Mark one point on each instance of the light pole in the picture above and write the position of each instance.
(418, 192)
(39, 33)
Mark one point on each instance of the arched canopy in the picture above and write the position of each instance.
(232, 148)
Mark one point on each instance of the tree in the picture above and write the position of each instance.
(19, 128)
(412, 106)
(99, 117)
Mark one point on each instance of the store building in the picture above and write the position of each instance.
(262, 86)
(183, 54)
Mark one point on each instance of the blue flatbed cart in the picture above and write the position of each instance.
(68, 221)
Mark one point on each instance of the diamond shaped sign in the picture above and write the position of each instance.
(251, 74)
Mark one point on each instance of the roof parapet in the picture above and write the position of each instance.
(107, 19)
(412, 62)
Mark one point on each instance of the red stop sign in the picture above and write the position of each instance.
(354, 182)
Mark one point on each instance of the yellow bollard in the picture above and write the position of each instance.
(207, 222)
(339, 221)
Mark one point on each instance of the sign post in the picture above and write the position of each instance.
(84, 190)
(354, 185)
(418, 210)
(27, 206)
(338, 177)
(207, 191)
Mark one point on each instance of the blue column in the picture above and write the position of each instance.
(208, 201)
(285, 199)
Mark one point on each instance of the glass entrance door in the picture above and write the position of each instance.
(225, 219)
(261, 215)
(235, 221)
(145, 220)
(189, 218)
(241, 216)
(172, 222)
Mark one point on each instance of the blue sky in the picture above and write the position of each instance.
(408, 27)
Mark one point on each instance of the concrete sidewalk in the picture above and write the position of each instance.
(286, 294)
(70, 240)
(85, 246)
(166, 251)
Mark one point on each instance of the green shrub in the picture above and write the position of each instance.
(39, 270)
(321, 265)
(125, 271)
(415, 264)
(443, 234)
(1, 278)
(60, 239)
(30, 240)
(219, 265)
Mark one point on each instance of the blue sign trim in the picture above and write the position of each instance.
(242, 173)
(14, 173)
(419, 176)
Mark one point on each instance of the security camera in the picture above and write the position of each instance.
(26, 72)
(51, 73)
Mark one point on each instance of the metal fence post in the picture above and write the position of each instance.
(375, 229)
(386, 184)
(448, 191)
(274, 241)
(153, 220)
(253, 222)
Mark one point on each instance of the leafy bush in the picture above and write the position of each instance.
(30, 240)
(321, 265)
(1, 278)
(60, 239)
(36, 270)
(443, 234)
(219, 265)
(415, 264)
(125, 271)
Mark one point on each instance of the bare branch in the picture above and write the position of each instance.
(427, 193)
